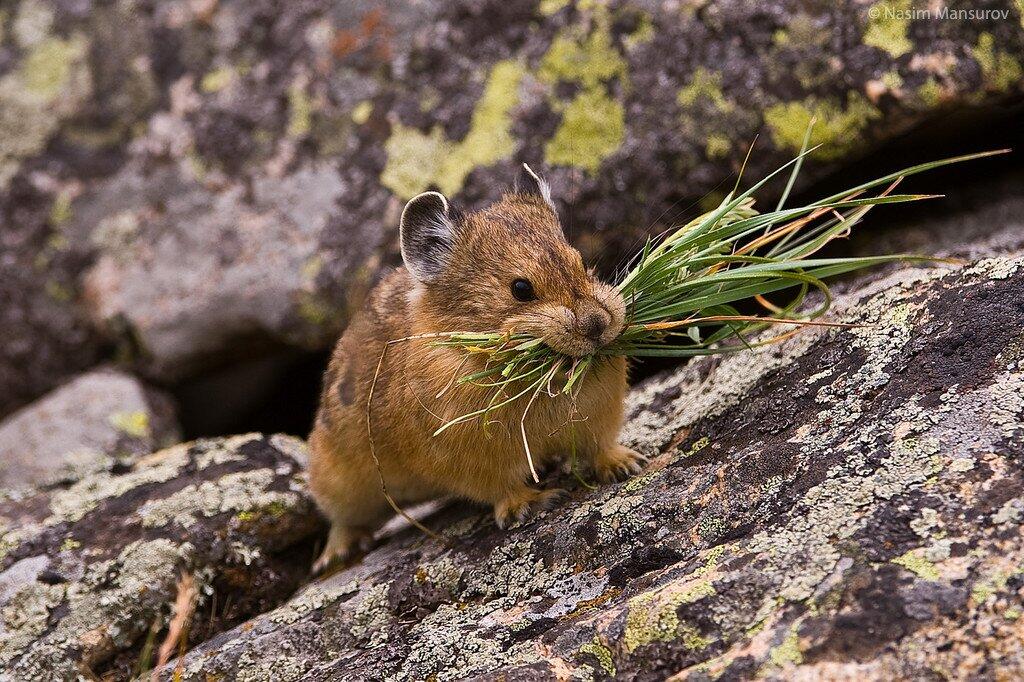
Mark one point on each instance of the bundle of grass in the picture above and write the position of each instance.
(683, 289)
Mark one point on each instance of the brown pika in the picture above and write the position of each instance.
(505, 268)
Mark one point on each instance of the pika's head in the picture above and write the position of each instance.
(507, 268)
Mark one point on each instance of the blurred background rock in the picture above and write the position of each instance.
(201, 191)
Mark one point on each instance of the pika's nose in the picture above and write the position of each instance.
(593, 324)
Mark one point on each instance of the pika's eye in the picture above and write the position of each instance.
(523, 290)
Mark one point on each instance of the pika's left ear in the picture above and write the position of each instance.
(528, 182)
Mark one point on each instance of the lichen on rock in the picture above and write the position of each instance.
(828, 512)
(88, 571)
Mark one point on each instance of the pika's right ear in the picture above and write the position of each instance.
(428, 232)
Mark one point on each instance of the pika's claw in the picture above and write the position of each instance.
(521, 505)
(618, 463)
(343, 544)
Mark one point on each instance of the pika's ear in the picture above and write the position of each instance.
(528, 182)
(428, 233)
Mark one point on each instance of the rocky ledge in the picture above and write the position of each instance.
(847, 503)
(90, 569)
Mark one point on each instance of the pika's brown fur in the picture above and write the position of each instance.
(519, 237)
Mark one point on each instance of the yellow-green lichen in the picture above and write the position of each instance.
(999, 69)
(416, 160)
(57, 291)
(550, 7)
(692, 639)
(717, 146)
(788, 652)
(802, 30)
(892, 80)
(51, 80)
(986, 587)
(490, 131)
(60, 210)
(712, 527)
(644, 33)
(836, 129)
(590, 62)
(593, 123)
(311, 268)
(888, 22)
(315, 310)
(697, 445)
(602, 653)
(593, 127)
(706, 86)
(915, 562)
(49, 66)
(361, 112)
(652, 617)
(134, 423)
(930, 93)
(300, 111)
(217, 80)
(69, 544)
(413, 159)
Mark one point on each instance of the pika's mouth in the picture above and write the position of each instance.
(585, 337)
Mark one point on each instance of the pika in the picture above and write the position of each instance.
(505, 268)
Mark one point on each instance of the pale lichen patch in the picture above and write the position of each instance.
(82, 497)
(372, 615)
(240, 491)
(314, 597)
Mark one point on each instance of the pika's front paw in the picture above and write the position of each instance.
(523, 504)
(617, 463)
(343, 545)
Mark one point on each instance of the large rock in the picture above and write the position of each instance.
(75, 80)
(845, 505)
(214, 175)
(88, 573)
(95, 422)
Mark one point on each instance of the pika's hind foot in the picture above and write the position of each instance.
(617, 463)
(343, 543)
(524, 503)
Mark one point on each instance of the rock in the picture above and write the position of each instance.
(95, 422)
(230, 174)
(844, 504)
(67, 109)
(88, 572)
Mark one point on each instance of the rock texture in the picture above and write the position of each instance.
(844, 505)
(88, 572)
(187, 178)
(95, 422)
